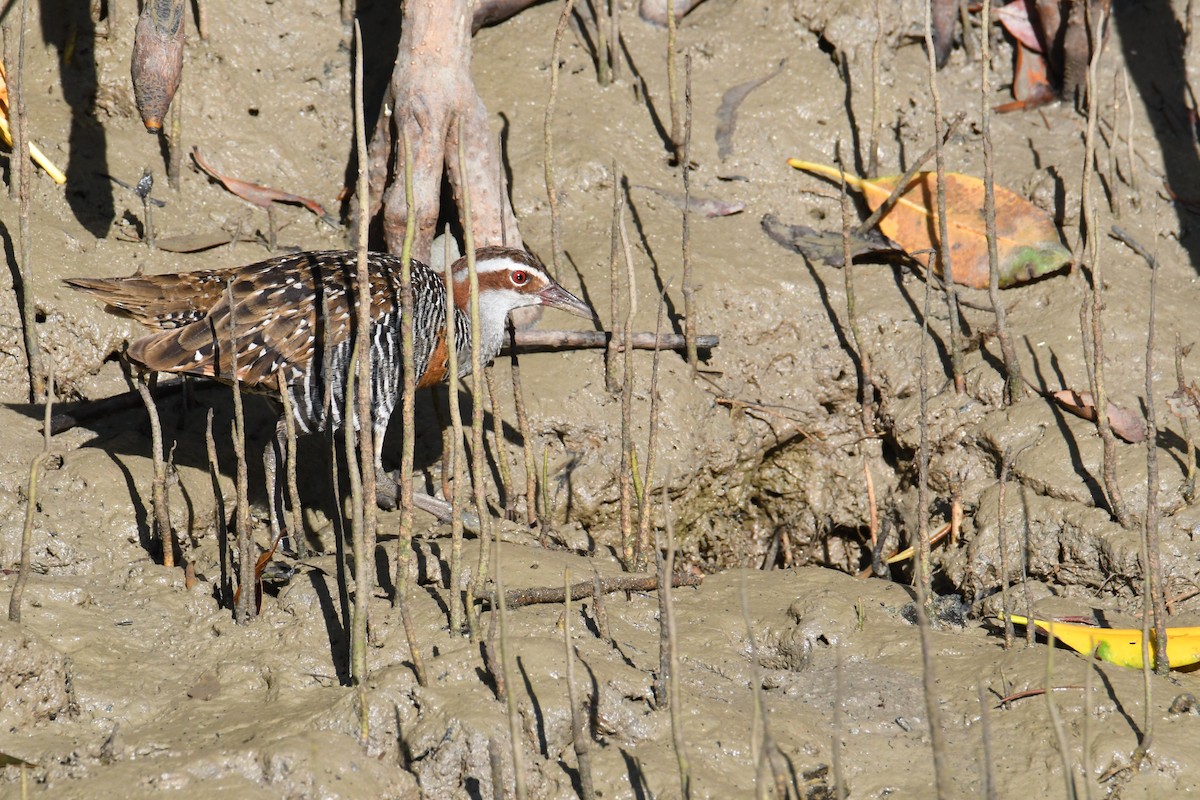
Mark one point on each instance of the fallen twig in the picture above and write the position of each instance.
(515, 598)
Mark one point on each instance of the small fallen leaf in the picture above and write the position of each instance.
(261, 196)
(1120, 646)
(1125, 424)
(1027, 240)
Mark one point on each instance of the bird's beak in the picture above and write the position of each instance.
(556, 296)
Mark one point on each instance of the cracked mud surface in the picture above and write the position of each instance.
(122, 682)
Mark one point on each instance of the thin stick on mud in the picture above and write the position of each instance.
(364, 534)
(16, 164)
(175, 140)
(1089, 232)
(477, 455)
(510, 697)
(866, 380)
(626, 479)
(22, 171)
(158, 491)
(1189, 488)
(1002, 539)
(873, 139)
(501, 449)
(579, 734)
(295, 519)
(839, 693)
(611, 380)
(673, 87)
(246, 609)
(452, 460)
(1060, 734)
(1135, 195)
(31, 502)
(597, 587)
(923, 581)
(548, 140)
(614, 38)
(1114, 196)
(985, 732)
(496, 764)
(1087, 723)
(531, 516)
(1014, 384)
(768, 753)
(214, 472)
(604, 54)
(689, 289)
(643, 535)
(943, 249)
(668, 619)
(1155, 587)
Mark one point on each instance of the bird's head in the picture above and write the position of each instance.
(510, 279)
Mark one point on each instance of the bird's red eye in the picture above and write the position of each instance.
(520, 277)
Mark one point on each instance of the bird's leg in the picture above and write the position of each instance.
(385, 484)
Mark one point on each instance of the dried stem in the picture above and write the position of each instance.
(1155, 589)
(364, 533)
(21, 173)
(1060, 733)
(502, 462)
(873, 140)
(1135, 196)
(1189, 490)
(1089, 232)
(673, 87)
(768, 753)
(611, 380)
(866, 381)
(295, 519)
(579, 733)
(1014, 384)
(158, 492)
(689, 289)
(985, 732)
(214, 471)
(643, 535)
(246, 609)
(668, 569)
(614, 38)
(626, 482)
(923, 577)
(604, 54)
(548, 140)
(943, 249)
(453, 463)
(175, 140)
(510, 697)
(526, 441)
(1002, 538)
(1087, 723)
(515, 598)
(31, 502)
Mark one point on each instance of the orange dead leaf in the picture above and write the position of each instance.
(1027, 240)
(1125, 424)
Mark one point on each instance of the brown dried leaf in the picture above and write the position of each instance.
(261, 196)
(1125, 424)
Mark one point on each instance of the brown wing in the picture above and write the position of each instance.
(283, 312)
(160, 302)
